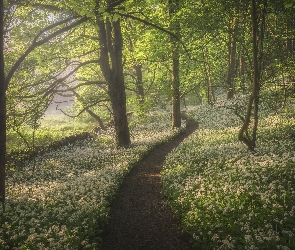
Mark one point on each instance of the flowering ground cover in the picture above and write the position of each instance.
(61, 199)
(229, 198)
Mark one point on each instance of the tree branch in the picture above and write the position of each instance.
(154, 26)
(84, 109)
(36, 44)
(87, 83)
(190, 90)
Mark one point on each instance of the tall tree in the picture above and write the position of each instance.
(132, 34)
(175, 79)
(2, 108)
(231, 57)
(257, 50)
(111, 64)
(208, 79)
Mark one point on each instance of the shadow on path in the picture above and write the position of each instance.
(140, 218)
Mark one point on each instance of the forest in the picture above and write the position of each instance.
(89, 88)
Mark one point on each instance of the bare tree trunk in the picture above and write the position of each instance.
(2, 109)
(111, 44)
(175, 81)
(231, 59)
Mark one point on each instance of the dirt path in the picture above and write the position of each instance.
(140, 217)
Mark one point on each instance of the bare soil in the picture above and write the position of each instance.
(140, 217)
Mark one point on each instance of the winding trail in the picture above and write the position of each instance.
(140, 217)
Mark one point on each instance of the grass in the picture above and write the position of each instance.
(227, 197)
(61, 200)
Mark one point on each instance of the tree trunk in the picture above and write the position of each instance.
(111, 44)
(253, 103)
(211, 94)
(139, 83)
(242, 71)
(290, 45)
(2, 109)
(231, 59)
(137, 67)
(175, 81)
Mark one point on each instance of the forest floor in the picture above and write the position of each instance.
(140, 216)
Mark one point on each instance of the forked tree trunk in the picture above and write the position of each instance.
(175, 81)
(111, 44)
(2, 110)
(253, 104)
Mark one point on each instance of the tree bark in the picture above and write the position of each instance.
(111, 64)
(175, 80)
(2, 109)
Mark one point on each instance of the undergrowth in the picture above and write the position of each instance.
(60, 200)
(228, 197)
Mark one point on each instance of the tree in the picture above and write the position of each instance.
(253, 103)
(2, 108)
(132, 33)
(175, 78)
(111, 64)
(208, 79)
(44, 36)
(232, 57)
